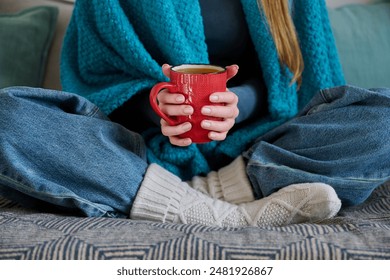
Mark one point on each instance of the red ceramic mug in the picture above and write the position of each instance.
(196, 82)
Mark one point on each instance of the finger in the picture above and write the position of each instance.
(224, 112)
(177, 110)
(217, 136)
(171, 98)
(232, 70)
(182, 142)
(166, 69)
(218, 126)
(226, 97)
(174, 130)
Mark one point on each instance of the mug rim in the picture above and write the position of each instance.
(198, 65)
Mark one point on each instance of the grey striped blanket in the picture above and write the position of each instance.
(360, 232)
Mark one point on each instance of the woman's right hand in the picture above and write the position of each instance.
(172, 104)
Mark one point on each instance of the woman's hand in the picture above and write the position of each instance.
(225, 109)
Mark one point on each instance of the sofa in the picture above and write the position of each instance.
(357, 232)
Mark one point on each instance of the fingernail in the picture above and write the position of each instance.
(206, 124)
(187, 141)
(186, 126)
(180, 98)
(212, 135)
(188, 110)
(206, 110)
(214, 98)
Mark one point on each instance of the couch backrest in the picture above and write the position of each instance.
(339, 3)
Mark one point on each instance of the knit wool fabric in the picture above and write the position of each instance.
(114, 49)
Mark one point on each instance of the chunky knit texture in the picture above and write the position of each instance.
(230, 183)
(114, 49)
(163, 197)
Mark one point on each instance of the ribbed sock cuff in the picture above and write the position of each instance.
(234, 182)
(159, 196)
(214, 185)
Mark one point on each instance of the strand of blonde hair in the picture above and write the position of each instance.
(284, 35)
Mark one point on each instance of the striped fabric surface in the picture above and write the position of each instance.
(360, 232)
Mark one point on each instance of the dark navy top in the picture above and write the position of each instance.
(228, 42)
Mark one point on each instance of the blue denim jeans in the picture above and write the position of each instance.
(341, 138)
(58, 151)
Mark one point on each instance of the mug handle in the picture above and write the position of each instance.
(153, 100)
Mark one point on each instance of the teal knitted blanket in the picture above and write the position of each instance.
(114, 49)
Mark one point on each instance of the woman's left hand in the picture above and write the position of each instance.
(226, 109)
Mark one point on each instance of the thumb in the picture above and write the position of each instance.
(232, 70)
(166, 69)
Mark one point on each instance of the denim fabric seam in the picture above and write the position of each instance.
(323, 95)
(335, 178)
(93, 112)
(314, 109)
(19, 185)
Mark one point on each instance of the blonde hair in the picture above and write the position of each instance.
(284, 35)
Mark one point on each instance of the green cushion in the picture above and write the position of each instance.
(25, 40)
(362, 34)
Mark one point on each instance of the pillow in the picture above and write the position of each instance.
(362, 35)
(25, 40)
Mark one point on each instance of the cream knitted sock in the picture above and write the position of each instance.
(163, 197)
(230, 183)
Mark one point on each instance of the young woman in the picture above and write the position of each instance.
(267, 163)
